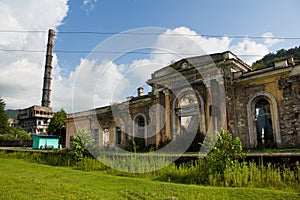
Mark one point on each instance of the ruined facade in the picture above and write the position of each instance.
(201, 95)
(35, 119)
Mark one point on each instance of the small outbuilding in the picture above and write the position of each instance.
(41, 141)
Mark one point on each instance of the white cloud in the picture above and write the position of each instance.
(187, 45)
(89, 5)
(270, 40)
(90, 85)
(93, 83)
(21, 72)
(249, 51)
(193, 44)
(98, 84)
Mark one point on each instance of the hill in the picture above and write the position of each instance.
(12, 113)
(269, 59)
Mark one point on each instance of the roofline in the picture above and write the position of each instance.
(225, 54)
(262, 73)
(264, 70)
(45, 136)
(33, 106)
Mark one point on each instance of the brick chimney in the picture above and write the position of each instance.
(48, 70)
(140, 91)
(291, 61)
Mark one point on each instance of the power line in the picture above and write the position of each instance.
(153, 34)
(181, 35)
(22, 31)
(110, 52)
(23, 50)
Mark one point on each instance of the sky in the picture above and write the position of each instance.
(105, 49)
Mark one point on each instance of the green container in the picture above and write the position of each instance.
(41, 141)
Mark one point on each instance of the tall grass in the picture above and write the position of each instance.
(188, 173)
(137, 163)
(240, 174)
(54, 158)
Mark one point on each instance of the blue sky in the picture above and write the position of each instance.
(192, 17)
(208, 17)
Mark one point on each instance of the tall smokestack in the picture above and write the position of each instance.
(48, 70)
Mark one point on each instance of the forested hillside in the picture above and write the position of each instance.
(269, 59)
(12, 113)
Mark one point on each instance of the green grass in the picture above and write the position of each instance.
(265, 150)
(22, 180)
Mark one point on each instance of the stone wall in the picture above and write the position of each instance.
(279, 88)
(290, 109)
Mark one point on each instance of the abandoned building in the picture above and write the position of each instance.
(36, 119)
(203, 94)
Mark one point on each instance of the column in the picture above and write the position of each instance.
(201, 125)
(158, 121)
(68, 134)
(168, 115)
(101, 136)
(122, 135)
(222, 118)
(208, 101)
(177, 125)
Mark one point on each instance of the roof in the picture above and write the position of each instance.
(37, 107)
(45, 136)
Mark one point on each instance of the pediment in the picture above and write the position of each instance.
(182, 65)
(201, 64)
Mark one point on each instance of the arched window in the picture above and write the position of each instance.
(118, 135)
(263, 119)
(263, 123)
(189, 114)
(106, 139)
(139, 127)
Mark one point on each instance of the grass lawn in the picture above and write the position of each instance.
(22, 180)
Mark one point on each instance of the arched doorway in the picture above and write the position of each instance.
(189, 118)
(263, 123)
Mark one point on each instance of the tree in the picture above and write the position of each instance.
(57, 125)
(4, 128)
(282, 54)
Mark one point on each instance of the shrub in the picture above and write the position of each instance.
(225, 152)
(82, 144)
(16, 133)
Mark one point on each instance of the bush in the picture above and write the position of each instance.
(16, 133)
(225, 152)
(82, 144)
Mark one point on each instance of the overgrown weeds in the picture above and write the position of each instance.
(222, 166)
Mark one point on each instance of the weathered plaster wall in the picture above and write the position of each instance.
(278, 85)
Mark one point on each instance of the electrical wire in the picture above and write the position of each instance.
(111, 52)
(151, 34)
(129, 33)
